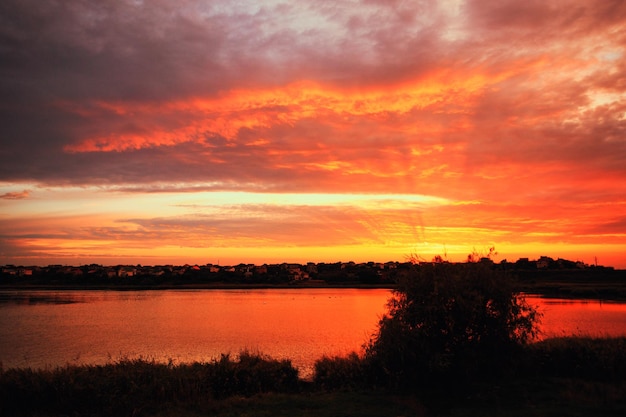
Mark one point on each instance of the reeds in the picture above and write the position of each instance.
(341, 372)
(597, 359)
(139, 386)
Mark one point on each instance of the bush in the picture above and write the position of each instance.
(449, 322)
(340, 372)
(252, 374)
(139, 387)
(598, 359)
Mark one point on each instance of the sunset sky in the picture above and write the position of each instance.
(229, 131)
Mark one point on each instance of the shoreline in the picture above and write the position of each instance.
(616, 292)
(195, 286)
(589, 285)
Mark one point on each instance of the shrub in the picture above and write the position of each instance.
(252, 374)
(138, 386)
(599, 359)
(449, 322)
(340, 372)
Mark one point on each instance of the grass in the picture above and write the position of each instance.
(311, 404)
(595, 359)
(565, 376)
(140, 387)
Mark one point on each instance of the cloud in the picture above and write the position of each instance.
(612, 225)
(15, 195)
(519, 105)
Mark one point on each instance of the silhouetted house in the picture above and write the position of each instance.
(10, 270)
(155, 271)
(544, 262)
(261, 269)
(180, 270)
(71, 270)
(565, 264)
(391, 265)
(126, 271)
(524, 263)
(295, 272)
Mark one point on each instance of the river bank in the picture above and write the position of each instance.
(590, 282)
(613, 289)
(548, 378)
(602, 285)
(187, 286)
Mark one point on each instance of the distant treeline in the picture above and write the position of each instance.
(544, 275)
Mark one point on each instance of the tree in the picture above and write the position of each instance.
(449, 322)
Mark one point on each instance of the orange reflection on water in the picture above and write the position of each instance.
(39, 329)
(563, 317)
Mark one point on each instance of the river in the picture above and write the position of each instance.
(53, 328)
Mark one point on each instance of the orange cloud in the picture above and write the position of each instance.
(15, 195)
(226, 115)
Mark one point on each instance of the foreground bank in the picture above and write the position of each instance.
(568, 376)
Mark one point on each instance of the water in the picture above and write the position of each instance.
(53, 328)
(40, 329)
(564, 317)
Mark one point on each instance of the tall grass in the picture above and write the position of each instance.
(138, 386)
(341, 372)
(598, 359)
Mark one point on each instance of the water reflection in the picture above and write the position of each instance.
(54, 328)
(301, 325)
(565, 317)
(41, 297)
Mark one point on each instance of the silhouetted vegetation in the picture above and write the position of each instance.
(140, 387)
(349, 371)
(460, 336)
(557, 278)
(567, 376)
(592, 359)
(450, 322)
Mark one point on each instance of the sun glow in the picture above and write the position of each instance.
(110, 225)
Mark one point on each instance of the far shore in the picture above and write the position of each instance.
(612, 291)
(597, 283)
(188, 286)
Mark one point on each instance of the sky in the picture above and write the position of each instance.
(225, 131)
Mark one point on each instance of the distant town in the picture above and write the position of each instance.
(338, 273)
